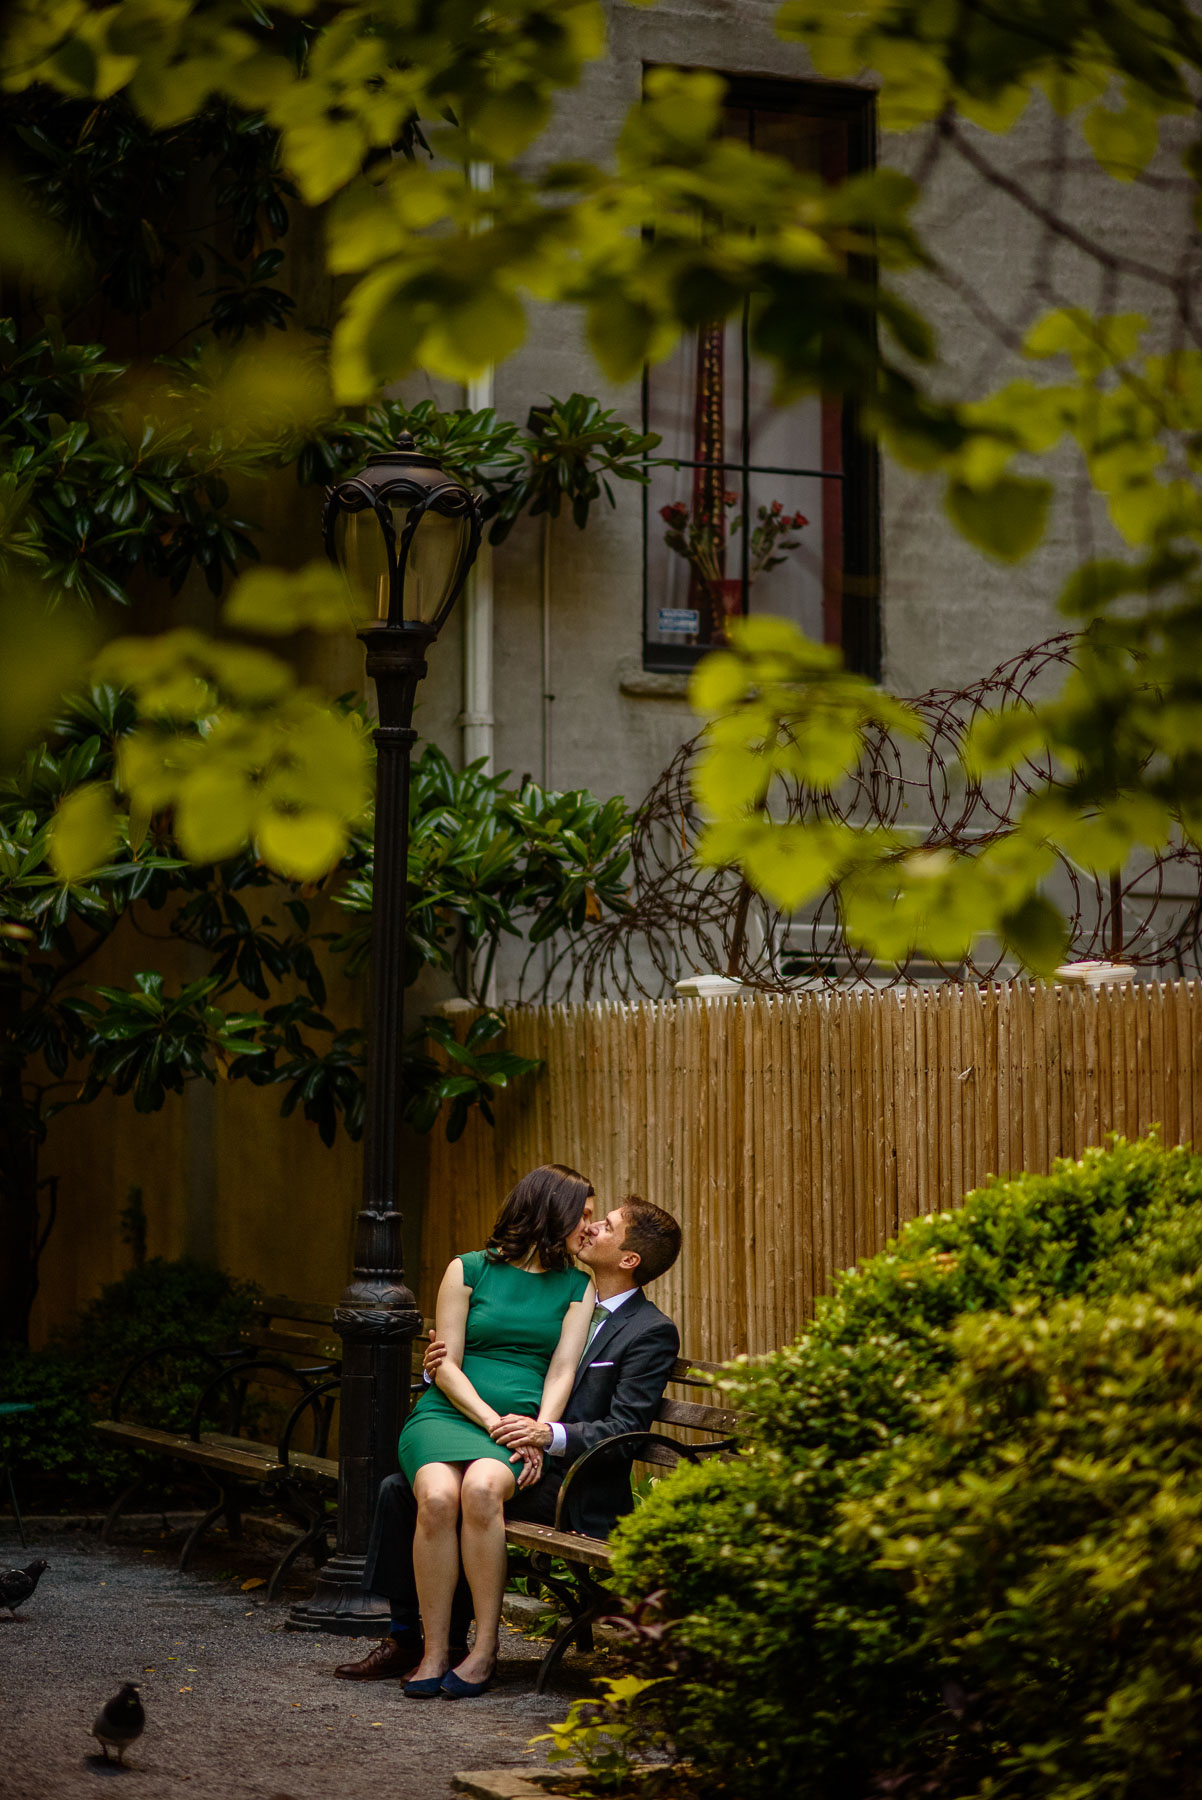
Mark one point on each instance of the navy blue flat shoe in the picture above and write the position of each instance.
(423, 1690)
(455, 1688)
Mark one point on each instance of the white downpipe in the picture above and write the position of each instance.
(477, 718)
(548, 696)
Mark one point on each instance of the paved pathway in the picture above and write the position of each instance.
(237, 1707)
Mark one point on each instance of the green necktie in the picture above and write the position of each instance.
(600, 1314)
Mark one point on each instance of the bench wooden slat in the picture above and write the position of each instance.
(251, 1462)
(278, 1306)
(655, 1453)
(319, 1349)
(592, 1551)
(322, 1471)
(698, 1417)
(688, 1370)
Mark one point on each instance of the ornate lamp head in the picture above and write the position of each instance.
(405, 533)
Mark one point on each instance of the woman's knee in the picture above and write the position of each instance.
(437, 1501)
(486, 1487)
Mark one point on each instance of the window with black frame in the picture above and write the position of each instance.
(770, 508)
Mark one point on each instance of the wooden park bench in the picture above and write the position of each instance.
(584, 1595)
(285, 1365)
(291, 1354)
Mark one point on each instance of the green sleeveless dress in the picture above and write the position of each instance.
(514, 1318)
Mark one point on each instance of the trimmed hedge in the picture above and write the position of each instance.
(59, 1459)
(1046, 1527)
(803, 1662)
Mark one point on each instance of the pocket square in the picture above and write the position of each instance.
(601, 1365)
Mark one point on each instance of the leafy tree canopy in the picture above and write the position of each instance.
(442, 274)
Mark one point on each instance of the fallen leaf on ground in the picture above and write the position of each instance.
(254, 1582)
(186, 1690)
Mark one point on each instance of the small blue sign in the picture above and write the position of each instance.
(682, 619)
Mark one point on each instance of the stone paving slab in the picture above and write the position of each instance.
(237, 1707)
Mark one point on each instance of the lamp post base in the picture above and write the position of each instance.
(340, 1605)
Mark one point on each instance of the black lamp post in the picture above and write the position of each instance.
(405, 533)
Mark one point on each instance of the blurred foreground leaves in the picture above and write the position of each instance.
(442, 275)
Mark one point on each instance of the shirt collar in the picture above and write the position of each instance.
(616, 1300)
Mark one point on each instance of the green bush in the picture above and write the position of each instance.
(800, 1662)
(60, 1459)
(1046, 1526)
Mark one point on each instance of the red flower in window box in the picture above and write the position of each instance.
(702, 544)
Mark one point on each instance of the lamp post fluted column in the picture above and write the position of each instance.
(405, 533)
(377, 1316)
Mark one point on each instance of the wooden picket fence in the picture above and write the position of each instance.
(792, 1135)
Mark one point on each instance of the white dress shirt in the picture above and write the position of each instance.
(559, 1437)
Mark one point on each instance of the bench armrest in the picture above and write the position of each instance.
(243, 1371)
(199, 1352)
(627, 1438)
(314, 1398)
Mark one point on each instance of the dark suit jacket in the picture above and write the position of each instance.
(618, 1387)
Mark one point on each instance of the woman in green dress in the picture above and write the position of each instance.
(514, 1318)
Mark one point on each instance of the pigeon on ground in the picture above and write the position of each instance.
(16, 1585)
(120, 1723)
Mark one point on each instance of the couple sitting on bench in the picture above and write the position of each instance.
(535, 1361)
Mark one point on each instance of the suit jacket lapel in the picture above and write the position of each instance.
(609, 1329)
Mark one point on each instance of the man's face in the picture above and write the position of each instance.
(577, 1240)
(606, 1242)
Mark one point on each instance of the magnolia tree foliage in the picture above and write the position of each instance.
(442, 273)
(117, 473)
(486, 860)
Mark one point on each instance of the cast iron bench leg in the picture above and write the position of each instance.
(119, 1505)
(308, 1540)
(579, 1627)
(12, 1494)
(197, 1532)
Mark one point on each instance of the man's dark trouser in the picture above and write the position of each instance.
(389, 1567)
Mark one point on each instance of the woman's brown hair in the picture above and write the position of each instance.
(538, 1214)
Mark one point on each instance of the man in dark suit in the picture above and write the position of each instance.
(619, 1384)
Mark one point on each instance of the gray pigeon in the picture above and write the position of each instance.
(120, 1723)
(16, 1585)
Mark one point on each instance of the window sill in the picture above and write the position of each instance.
(651, 684)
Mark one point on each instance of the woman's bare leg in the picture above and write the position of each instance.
(436, 1561)
(487, 1485)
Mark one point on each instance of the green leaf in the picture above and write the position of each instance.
(303, 847)
(276, 602)
(84, 832)
(481, 330)
(1124, 143)
(1000, 740)
(1037, 934)
(1006, 520)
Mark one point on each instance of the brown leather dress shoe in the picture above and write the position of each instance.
(387, 1660)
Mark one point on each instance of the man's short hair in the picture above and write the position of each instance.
(653, 1234)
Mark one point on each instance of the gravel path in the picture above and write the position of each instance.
(237, 1707)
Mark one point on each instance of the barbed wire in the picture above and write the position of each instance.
(684, 919)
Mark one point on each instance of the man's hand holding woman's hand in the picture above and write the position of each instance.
(527, 1439)
(518, 1433)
